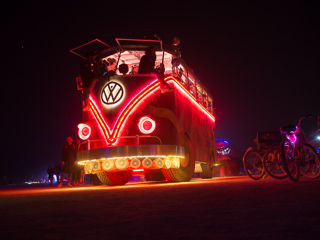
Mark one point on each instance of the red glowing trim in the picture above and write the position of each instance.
(111, 136)
(191, 97)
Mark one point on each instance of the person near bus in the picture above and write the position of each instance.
(68, 161)
(50, 172)
(77, 168)
(57, 170)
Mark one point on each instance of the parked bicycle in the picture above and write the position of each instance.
(273, 164)
(298, 157)
(253, 157)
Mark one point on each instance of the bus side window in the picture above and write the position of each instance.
(199, 94)
(205, 100)
(192, 86)
(210, 105)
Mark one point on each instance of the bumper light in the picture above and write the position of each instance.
(135, 163)
(122, 163)
(147, 163)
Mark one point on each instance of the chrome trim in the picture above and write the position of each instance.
(130, 151)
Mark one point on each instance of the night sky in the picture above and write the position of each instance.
(259, 59)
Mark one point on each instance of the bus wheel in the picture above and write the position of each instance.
(206, 171)
(114, 178)
(154, 175)
(185, 172)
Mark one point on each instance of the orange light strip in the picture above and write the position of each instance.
(111, 136)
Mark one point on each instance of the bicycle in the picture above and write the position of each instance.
(272, 163)
(253, 157)
(298, 157)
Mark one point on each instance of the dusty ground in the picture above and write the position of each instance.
(221, 208)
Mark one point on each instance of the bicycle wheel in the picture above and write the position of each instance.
(290, 161)
(252, 163)
(310, 162)
(272, 163)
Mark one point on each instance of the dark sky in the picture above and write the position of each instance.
(259, 59)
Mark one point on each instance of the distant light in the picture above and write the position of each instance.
(318, 137)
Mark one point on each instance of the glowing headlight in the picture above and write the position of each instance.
(84, 131)
(146, 125)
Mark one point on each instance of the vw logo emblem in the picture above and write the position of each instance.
(112, 93)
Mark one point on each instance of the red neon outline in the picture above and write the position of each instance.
(111, 136)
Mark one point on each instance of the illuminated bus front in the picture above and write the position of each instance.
(132, 126)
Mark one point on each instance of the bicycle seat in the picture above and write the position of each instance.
(288, 129)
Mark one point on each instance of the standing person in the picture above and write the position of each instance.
(77, 168)
(57, 171)
(50, 172)
(68, 161)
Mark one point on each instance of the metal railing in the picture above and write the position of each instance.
(137, 137)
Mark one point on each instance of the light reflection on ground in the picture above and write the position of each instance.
(88, 187)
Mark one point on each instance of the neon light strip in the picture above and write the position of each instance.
(83, 162)
(190, 96)
(111, 136)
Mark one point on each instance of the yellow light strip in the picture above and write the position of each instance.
(83, 162)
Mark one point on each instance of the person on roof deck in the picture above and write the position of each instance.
(148, 61)
(93, 70)
(111, 69)
(134, 70)
(89, 73)
(147, 64)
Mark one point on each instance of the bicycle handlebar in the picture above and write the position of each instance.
(307, 116)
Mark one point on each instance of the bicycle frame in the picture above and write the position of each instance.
(297, 138)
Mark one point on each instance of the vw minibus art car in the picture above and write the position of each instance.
(133, 127)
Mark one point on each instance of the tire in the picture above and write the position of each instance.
(154, 175)
(290, 161)
(252, 163)
(311, 162)
(206, 171)
(185, 172)
(272, 163)
(115, 178)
